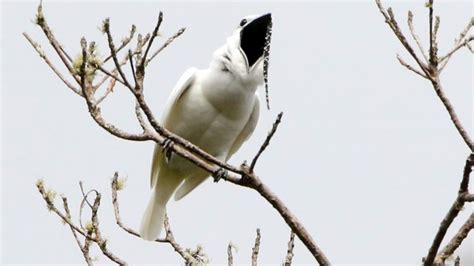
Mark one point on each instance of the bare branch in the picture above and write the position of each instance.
(230, 258)
(124, 43)
(266, 142)
(415, 36)
(457, 47)
(41, 53)
(452, 213)
(141, 120)
(433, 43)
(457, 261)
(130, 58)
(166, 44)
(468, 197)
(463, 34)
(110, 89)
(452, 114)
(111, 75)
(48, 197)
(256, 248)
(65, 58)
(431, 71)
(113, 52)
(289, 253)
(391, 21)
(116, 186)
(456, 241)
(84, 249)
(405, 64)
(141, 66)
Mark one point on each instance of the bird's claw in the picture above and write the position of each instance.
(167, 144)
(220, 174)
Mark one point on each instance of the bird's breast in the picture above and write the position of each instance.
(211, 114)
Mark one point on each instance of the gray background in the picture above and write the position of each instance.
(366, 155)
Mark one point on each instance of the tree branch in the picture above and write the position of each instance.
(65, 58)
(456, 241)
(409, 67)
(166, 44)
(256, 248)
(415, 36)
(41, 53)
(432, 72)
(230, 258)
(93, 231)
(266, 142)
(458, 41)
(452, 213)
(289, 253)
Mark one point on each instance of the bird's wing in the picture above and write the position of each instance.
(183, 84)
(181, 87)
(248, 128)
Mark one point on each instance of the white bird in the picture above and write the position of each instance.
(216, 109)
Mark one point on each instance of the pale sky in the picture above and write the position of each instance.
(366, 155)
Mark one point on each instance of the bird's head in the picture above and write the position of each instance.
(245, 49)
(253, 33)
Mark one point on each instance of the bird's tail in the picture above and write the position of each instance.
(154, 216)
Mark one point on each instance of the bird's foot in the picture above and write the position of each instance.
(167, 144)
(220, 174)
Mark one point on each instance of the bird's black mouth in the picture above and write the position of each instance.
(254, 37)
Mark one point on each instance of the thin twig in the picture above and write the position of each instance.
(415, 36)
(41, 53)
(457, 47)
(65, 58)
(289, 253)
(433, 46)
(166, 44)
(118, 219)
(110, 89)
(111, 75)
(124, 43)
(130, 58)
(50, 204)
(113, 52)
(463, 34)
(266, 142)
(405, 64)
(457, 261)
(84, 249)
(230, 258)
(141, 66)
(392, 23)
(256, 248)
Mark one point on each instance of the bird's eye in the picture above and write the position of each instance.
(243, 22)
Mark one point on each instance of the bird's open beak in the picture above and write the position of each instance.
(253, 38)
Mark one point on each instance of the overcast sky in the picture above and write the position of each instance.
(366, 155)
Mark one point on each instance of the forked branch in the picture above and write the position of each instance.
(430, 68)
